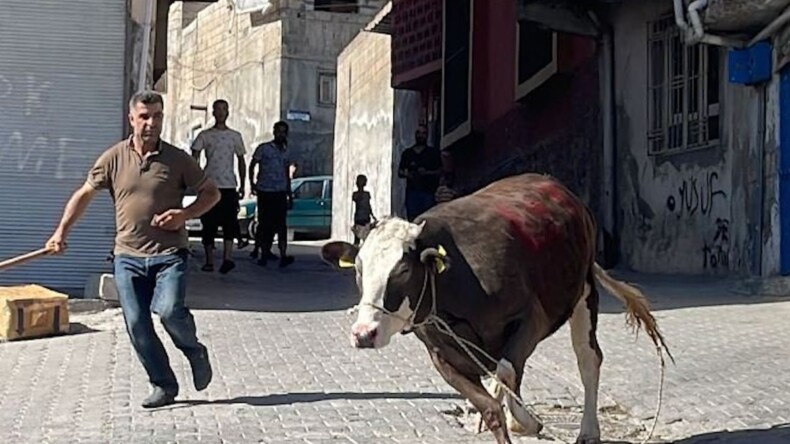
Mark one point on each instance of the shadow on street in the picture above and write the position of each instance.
(311, 397)
(665, 292)
(312, 285)
(779, 434)
(308, 285)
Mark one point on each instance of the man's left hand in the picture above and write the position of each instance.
(170, 220)
(290, 202)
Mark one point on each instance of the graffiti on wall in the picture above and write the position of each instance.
(696, 195)
(701, 199)
(38, 152)
(716, 254)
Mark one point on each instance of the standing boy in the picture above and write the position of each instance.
(363, 210)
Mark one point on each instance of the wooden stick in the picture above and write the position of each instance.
(24, 258)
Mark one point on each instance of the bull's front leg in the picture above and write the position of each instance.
(510, 370)
(472, 389)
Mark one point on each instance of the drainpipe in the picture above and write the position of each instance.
(695, 33)
(696, 23)
(762, 130)
(774, 26)
(609, 143)
(680, 18)
(142, 79)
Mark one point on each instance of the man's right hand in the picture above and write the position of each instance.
(57, 243)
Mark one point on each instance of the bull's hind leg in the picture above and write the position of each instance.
(472, 389)
(589, 357)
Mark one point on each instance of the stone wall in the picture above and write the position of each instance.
(374, 125)
(266, 65)
(312, 42)
(217, 54)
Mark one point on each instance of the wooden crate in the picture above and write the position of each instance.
(32, 311)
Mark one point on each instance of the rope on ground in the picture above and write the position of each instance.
(662, 371)
(445, 328)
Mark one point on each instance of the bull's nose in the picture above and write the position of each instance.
(364, 338)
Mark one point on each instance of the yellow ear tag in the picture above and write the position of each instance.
(440, 266)
(342, 263)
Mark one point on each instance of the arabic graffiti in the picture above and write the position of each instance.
(695, 195)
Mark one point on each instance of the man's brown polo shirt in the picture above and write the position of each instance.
(143, 187)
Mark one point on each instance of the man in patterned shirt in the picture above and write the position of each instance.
(221, 145)
(272, 185)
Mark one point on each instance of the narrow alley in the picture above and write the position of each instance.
(286, 373)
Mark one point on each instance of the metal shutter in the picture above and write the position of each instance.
(62, 73)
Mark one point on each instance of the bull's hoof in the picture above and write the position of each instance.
(588, 440)
(530, 427)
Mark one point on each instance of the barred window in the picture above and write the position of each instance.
(683, 92)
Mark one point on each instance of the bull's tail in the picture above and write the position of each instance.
(637, 311)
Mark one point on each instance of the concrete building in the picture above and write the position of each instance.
(374, 124)
(695, 122)
(277, 61)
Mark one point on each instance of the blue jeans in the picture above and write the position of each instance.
(418, 202)
(156, 284)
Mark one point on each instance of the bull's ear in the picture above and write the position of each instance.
(339, 254)
(415, 230)
(435, 257)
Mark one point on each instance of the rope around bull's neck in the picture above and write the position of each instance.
(443, 327)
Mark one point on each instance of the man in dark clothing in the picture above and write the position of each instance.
(421, 166)
(272, 184)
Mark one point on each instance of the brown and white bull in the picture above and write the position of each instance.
(504, 268)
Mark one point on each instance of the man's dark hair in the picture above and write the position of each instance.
(146, 98)
(221, 102)
(362, 177)
(281, 124)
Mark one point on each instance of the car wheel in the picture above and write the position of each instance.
(252, 229)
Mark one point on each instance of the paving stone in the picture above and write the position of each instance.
(285, 372)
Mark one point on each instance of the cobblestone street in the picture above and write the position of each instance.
(284, 372)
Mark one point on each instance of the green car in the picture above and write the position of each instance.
(311, 213)
(312, 208)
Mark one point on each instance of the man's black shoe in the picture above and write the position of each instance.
(286, 261)
(201, 370)
(226, 267)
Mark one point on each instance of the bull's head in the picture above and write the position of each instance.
(390, 268)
